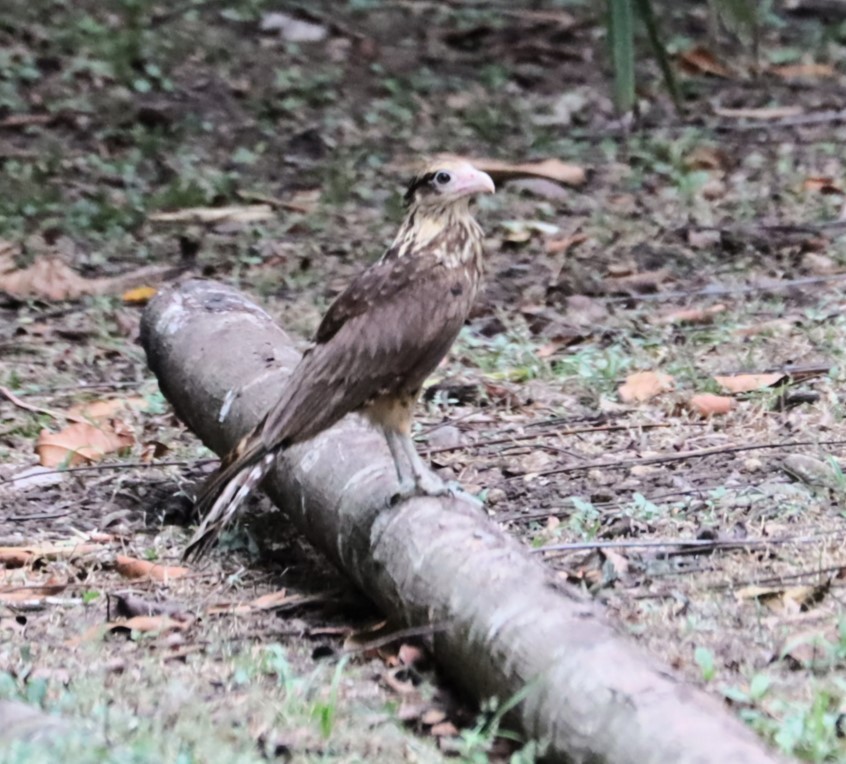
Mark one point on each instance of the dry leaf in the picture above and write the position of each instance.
(18, 556)
(432, 716)
(410, 655)
(107, 409)
(50, 279)
(793, 599)
(150, 624)
(803, 71)
(444, 729)
(559, 246)
(700, 60)
(82, 442)
(636, 283)
(549, 169)
(644, 385)
(249, 213)
(139, 296)
(692, 315)
(744, 383)
(822, 185)
(131, 567)
(707, 404)
(706, 158)
(29, 593)
(765, 113)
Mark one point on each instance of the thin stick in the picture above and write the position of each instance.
(577, 546)
(681, 456)
(726, 291)
(119, 466)
(412, 631)
(7, 393)
(530, 436)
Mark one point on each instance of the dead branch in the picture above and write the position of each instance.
(509, 626)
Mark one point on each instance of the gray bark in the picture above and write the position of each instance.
(593, 695)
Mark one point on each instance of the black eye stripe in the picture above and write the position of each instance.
(416, 184)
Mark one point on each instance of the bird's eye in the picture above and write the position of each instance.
(442, 178)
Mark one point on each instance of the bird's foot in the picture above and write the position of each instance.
(423, 484)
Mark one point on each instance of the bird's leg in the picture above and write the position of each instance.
(414, 476)
(425, 481)
(405, 477)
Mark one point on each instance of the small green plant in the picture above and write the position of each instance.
(325, 711)
(705, 660)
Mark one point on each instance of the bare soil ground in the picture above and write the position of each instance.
(699, 247)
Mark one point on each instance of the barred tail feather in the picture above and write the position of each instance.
(222, 497)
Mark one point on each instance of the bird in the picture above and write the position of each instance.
(375, 346)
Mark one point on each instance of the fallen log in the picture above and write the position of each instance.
(506, 626)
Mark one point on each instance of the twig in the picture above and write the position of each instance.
(25, 120)
(531, 436)
(719, 291)
(119, 466)
(769, 580)
(681, 456)
(799, 120)
(412, 631)
(24, 518)
(7, 393)
(255, 196)
(709, 544)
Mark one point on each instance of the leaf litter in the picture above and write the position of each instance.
(632, 237)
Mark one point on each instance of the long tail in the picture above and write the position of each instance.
(221, 497)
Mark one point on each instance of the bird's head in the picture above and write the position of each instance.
(445, 182)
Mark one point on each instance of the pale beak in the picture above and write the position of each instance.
(473, 181)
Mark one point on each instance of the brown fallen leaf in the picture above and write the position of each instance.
(444, 729)
(700, 60)
(82, 442)
(692, 315)
(549, 169)
(707, 158)
(139, 295)
(145, 624)
(150, 623)
(559, 246)
(19, 556)
(707, 404)
(636, 283)
(822, 185)
(763, 114)
(29, 593)
(432, 716)
(131, 567)
(791, 599)
(248, 213)
(804, 71)
(410, 655)
(644, 385)
(106, 409)
(744, 383)
(49, 278)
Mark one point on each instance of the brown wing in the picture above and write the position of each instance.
(378, 283)
(383, 335)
